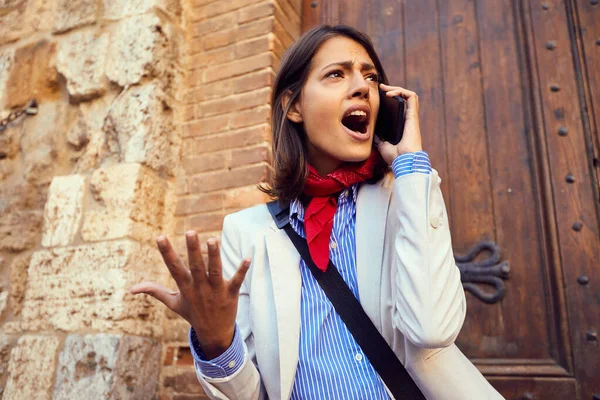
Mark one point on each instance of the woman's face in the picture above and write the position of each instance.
(338, 105)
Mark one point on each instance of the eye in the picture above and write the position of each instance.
(373, 77)
(337, 71)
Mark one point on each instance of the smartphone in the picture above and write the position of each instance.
(390, 119)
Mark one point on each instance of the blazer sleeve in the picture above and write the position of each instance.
(245, 383)
(429, 301)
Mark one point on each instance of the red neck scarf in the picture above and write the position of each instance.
(318, 218)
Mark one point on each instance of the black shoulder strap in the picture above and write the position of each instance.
(379, 353)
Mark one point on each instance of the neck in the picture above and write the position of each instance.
(323, 163)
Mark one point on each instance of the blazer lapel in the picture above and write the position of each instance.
(371, 216)
(284, 264)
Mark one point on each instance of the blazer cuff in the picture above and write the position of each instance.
(409, 163)
(222, 366)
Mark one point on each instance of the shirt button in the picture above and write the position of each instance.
(231, 364)
(435, 222)
(333, 245)
(358, 357)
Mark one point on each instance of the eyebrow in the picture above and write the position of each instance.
(350, 64)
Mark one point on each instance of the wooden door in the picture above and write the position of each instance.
(508, 91)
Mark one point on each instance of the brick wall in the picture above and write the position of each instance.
(233, 50)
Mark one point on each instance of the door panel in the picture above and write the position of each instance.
(490, 120)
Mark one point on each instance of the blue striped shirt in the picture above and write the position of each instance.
(331, 365)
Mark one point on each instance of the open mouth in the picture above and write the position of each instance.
(356, 121)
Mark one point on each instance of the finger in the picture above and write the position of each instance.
(160, 293)
(195, 258)
(173, 262)
(392, 91)
(215, 270)
(239, 276)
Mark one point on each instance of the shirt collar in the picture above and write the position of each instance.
(297, 208)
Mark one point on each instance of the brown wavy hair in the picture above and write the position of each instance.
(289, 140)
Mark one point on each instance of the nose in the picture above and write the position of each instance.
(360, 87)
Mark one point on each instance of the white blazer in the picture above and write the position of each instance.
(408, 282)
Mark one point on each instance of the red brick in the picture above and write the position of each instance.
(187, 113)
(233, 103)
(214, 24)
(199, 203)
(180, 227)
(190, 397)
(237, 67)
(181, 185)
(217, 8)
(254, 46)
(203, 163)
(238, 177)
(212, 57)
(256, 11)
(228, 140)
(255, 28)
(184, 356)
(195, 77)
(250, 156)
(240, 198)
(278, 48)
(219, 39)
(197, 3)
(255, 116)
(236, 34)
(184, 381)
(207, 222)
(226, 87)
(206, 126)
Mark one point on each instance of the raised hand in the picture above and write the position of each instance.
(206, 300)
(411, 138)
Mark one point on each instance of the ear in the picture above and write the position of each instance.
(295, 112)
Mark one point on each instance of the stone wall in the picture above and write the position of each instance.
(152, 116)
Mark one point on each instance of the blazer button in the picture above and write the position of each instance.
(434, 221)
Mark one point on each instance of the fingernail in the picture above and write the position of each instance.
(161, 242)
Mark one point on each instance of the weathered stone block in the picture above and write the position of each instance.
(81, 60)
(6, 344)
(6, 63)
(133, 200)
(87, 287)
(107, 366)
(31, 368)
(139, 128)
(63, 210)
(33, 74)
(18, 280)
(20, 230)
(91, 121)
(20, 18)
(3, 299)
(141, 47)
(117, 9)
(74, 13)
(39, 141)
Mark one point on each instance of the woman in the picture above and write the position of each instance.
(267, 330)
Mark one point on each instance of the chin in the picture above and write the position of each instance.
(355, 154)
